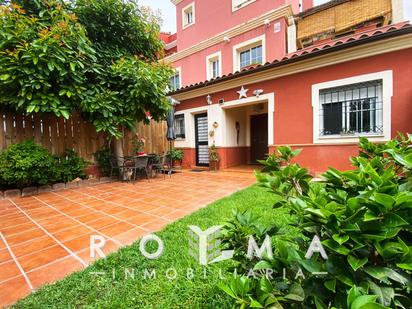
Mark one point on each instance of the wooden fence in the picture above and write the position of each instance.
(58, 134)
(154, 134)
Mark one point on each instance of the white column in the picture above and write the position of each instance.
(398, 11)
(271, 120)
(292, 36)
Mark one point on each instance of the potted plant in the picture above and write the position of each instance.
(177, 157)
(138, 144)
(213, 158)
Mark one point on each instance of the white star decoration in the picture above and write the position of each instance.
(243, 92)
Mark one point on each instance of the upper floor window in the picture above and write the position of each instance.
(249, 53)
(344, 110)
(238, 4)
(251, 56)
(175, 80)
(180, 126)
(214, 65)
(188, 15)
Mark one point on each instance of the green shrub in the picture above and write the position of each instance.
(27, 164)
(102, 158)
(363, 218)
(176, 154)
(70, 166)
(281, 157)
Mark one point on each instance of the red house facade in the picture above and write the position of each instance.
(255, 75)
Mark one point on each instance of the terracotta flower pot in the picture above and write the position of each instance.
(214, 166)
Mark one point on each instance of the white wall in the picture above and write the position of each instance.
(233, 116)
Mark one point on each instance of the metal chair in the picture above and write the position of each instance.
(141, 164)
(165, 165)
(114, 165)
(154, 160)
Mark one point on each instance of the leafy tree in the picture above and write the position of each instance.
(44, 60)
(98, 57)
(128, 46)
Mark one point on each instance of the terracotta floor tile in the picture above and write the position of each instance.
(129, 237)
(18, 229)
(54, 271)
(102, 223)
(72, 216)
(72, 233)
(176, 215)
(161, 211)
(13, 222)
(156, 225)
(33, 245)
(4, 256)
(117, 229)
(63, 225)
(51, 220)
(42, 258)
(91, 217)
(114, 210)
(79, 243)
(127, 213)
(79, 212)
(9, 270)
(141, 219)
(109, 247)
(23, 237)
(11, 291)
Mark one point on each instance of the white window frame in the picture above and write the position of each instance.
(242, 5)
(191, 6)
(387, 93)
(178, 70)
(182, 115)
(209, 62)
(237, 49)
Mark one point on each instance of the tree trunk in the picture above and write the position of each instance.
(118, 152)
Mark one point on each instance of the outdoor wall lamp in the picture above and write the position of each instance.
(258, 92)
(209, 100)
(238, 131)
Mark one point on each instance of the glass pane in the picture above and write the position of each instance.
(332, 118)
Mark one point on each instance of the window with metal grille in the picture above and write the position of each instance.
(251, 56)
(180, 126)
(355, 109)
(175, 81)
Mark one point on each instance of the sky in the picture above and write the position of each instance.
(168, 11)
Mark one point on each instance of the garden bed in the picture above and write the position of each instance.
(30, 191)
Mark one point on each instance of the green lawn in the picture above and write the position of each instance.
(85, 290)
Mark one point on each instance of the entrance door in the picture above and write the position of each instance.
(202, 140)
(259, 137)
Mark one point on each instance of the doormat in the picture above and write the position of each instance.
(197, 170)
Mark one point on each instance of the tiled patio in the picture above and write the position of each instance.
(43, 238)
